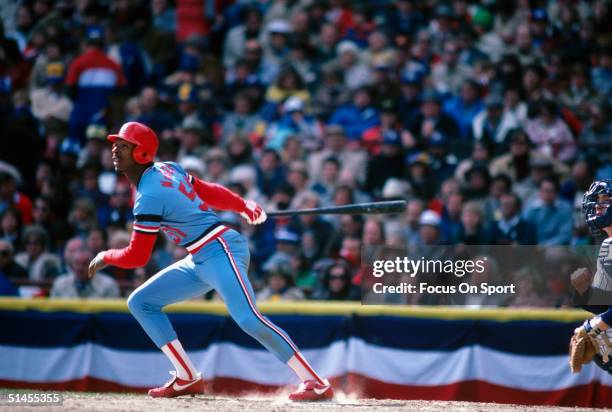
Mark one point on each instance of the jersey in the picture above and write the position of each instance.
(166, 200)
(603, 275)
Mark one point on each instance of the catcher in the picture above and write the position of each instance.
(593, 340)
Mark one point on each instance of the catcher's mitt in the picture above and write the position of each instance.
(581, 349)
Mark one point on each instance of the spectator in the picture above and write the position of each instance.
(270, 172)
(387, 164)
(293, 122)
(36, 259)
(451, 224)
(91, 93)
(356, 73)
(77, 284)
(358, 116)
(50, 102)
(336, 284)
(326, 186)
(276, 49)
(242, 121)
(465, 107)
(550, 133)
(493, 124)
(512, 228)
(10, 271)
(432, 119)
(551, 216)
(450, 75)
(595, 135)
(73, 245)
(279, 283)
(11, 197)
(518, 162)
(429, 229)
(236, 37)
(352, 161)
(473, 230)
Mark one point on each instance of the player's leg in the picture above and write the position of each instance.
(175, 283)
(227, 273)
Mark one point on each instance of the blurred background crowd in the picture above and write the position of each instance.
(491, 118)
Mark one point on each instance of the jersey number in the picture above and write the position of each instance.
(184, 187)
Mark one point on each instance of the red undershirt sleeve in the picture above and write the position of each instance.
(217, 196)
(136, 254)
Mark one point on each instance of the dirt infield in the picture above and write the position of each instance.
(78, 402)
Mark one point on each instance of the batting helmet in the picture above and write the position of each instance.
(142, 136)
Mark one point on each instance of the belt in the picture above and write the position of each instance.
(208, 236)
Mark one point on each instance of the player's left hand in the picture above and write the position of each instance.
(588, 341)
(253, 213)
(96, 264)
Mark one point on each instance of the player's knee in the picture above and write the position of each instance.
(135, 301)
(250, 324)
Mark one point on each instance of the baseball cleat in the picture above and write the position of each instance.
(311, 391)
(179, 387)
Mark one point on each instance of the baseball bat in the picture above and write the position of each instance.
(393, 206)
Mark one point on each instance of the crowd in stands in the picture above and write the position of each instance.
(491, 118)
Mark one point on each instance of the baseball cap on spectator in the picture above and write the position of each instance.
(218, 154)
(293, 104)
(334, 130)
(187, 93)
(494, 100)
(193, 165)
(392, 138)
(299, 167)
(243, 174)
(431, 96)
(539, 15)
(10, 170)
(388, 106)
(95, 32)
(284, 235)
(191, 124)
(382, 62)
(70, 147)
(418, 158)
(55, 72)
(431, 218)
(395, 188)
(189, 62)
(437, 139)
(277, 263)
(443, 10)
(347, 46)
(5, 85)
(411, 77)
(279, 27)
(96, 131)
(541, 162)
(482, 17)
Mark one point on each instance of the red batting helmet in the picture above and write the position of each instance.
(142, 136)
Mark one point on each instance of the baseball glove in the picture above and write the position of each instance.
(582, 349)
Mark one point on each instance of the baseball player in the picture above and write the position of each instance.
(597, 332)
(178, 204)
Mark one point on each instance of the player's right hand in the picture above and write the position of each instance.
(581, 279)
(96, 264)
(253, 213)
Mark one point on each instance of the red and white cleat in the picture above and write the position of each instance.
(312, 391)
(179, 387)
